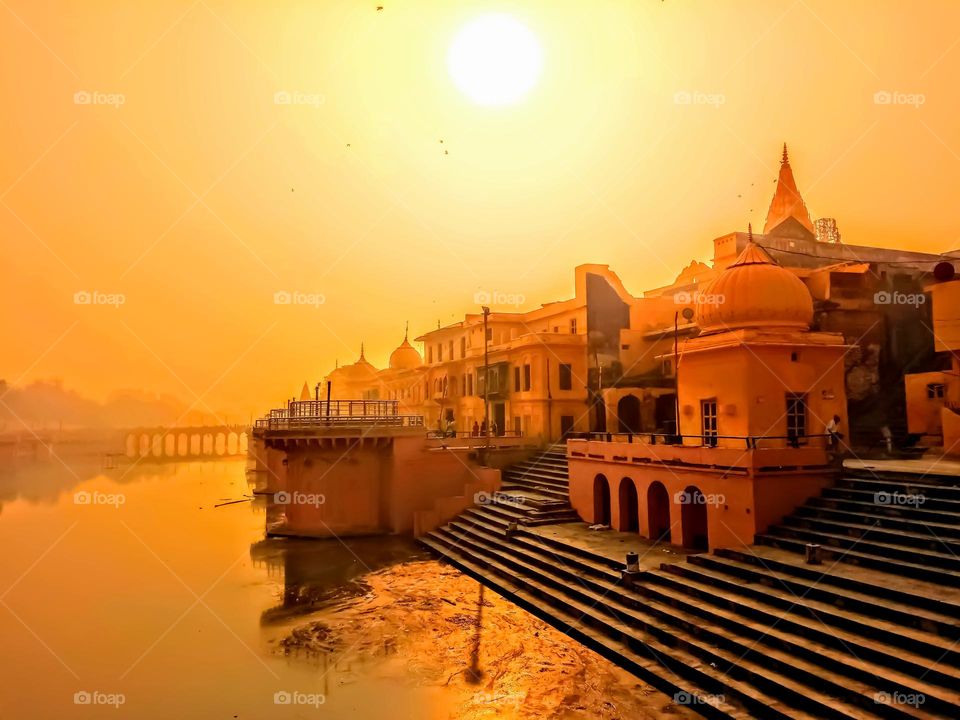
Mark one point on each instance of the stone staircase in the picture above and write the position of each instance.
(534, 492)
(736, 634)
(894, 522)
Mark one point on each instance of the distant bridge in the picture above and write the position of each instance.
(186, 442)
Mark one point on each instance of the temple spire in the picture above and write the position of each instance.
(749, 232)
(406, 331)
(787, 203)
(362, 358)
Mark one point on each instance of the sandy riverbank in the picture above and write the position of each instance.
(428, 624)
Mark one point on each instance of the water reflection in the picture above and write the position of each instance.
(321, 573)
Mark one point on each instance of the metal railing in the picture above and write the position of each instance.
(302, 422)
(471, 434)
(750, 442)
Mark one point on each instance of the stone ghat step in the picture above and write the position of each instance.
(927, 608)
(878, 499)
(847, 518)
(918, 536)
(536, 476)
(843, 661)
(874, 559)
(872, 508)
(523, 499)
(867, 662)
(776, 674)
(656, 664)
(530, 543)
(506, 514)
(540, 471)
(551, 543)
(866, 544)
(931, 478)
(524, 487)
(536, 481)
(914, 652)
(920, 487)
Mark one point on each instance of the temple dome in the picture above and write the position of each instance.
(405, 357)
(755, 291)
(360, 371)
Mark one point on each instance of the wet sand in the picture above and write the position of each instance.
(429, 625)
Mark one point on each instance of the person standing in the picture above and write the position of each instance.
(833, 430)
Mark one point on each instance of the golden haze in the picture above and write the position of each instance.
(200, 197)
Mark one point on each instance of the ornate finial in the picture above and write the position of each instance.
(406, 331)
(361, 351)
(749, 232)
(785, 159)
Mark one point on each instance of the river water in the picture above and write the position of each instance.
(128, 593)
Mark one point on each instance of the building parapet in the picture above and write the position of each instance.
(749, 458)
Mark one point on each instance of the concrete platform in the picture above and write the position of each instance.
(612, 544)
(930, 465)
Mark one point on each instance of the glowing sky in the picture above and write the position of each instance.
(322, 148)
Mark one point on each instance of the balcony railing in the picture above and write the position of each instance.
(748, 442)
(305, 414)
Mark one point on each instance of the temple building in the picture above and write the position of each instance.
(756, 390)
(604, 360)
(933, 398)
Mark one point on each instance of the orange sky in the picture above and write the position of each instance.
(199, 197)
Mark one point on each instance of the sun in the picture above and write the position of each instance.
(495, 59)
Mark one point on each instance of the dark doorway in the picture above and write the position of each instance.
(500, 417)
(629, 507)
(693, 517)
(658, 512)
(665, 413)
(566, 426)
(628, 414)
(599, 414)
(601, 501)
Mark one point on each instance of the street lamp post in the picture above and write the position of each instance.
(486, 375)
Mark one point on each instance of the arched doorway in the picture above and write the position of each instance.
(658, 512)
(693, 518)
(601, 501)
(628, 414)
(629, 507)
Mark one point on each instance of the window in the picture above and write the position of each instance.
(470, 383)
(439, 353)
(794, 357)
(796, 416)
(935, 391)
(573, 326)
(464, 385)
(526, 377)
(516, 425)
(556, 328)
(451, 349)
(430, 354)
(463, 347)
(566, 376)
(516, 378)
(708, 421)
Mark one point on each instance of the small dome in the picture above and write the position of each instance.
(405, 357)
(360, 371)
(755, 291)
